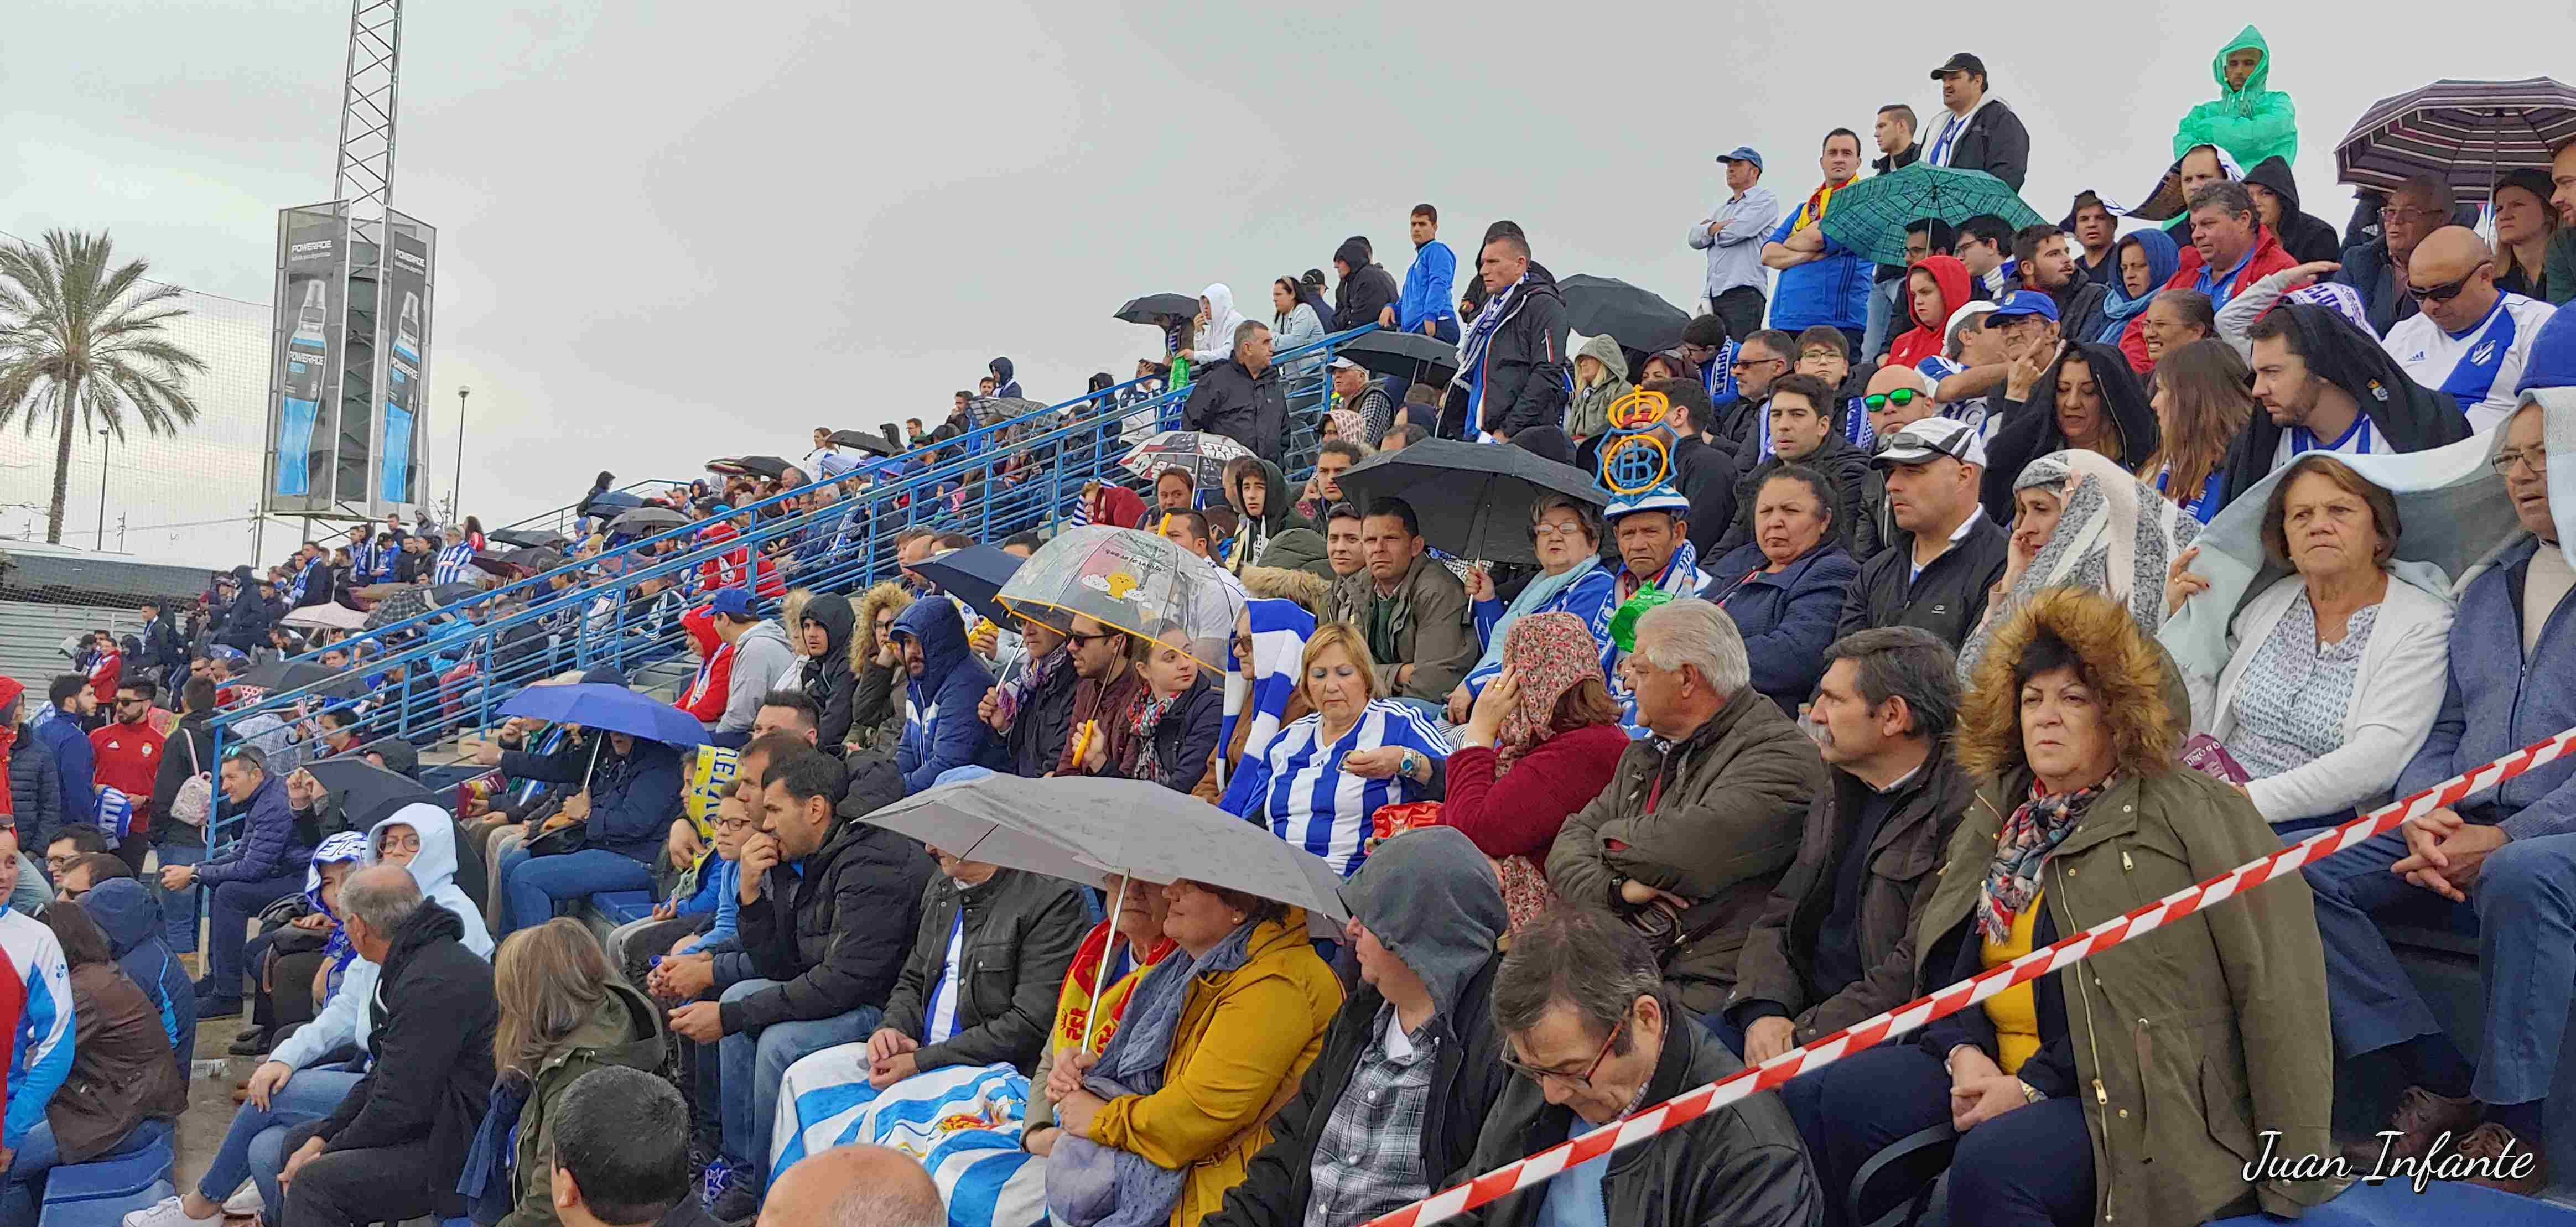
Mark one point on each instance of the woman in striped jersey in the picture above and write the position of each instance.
(1325, 775)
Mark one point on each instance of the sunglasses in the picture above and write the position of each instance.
(1900, 398)
(2446, 291)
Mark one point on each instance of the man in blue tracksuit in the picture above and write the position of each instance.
(2509, 851)
(1428, 304)
(1821, 281)
(62, 733)
(941, 731)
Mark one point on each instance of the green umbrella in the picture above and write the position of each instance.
(1870, 216)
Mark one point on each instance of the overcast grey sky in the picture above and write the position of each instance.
(672, 231)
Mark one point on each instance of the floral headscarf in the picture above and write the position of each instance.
(2116, 535)
(2033, 831)
(1552, 653)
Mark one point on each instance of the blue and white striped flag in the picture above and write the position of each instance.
(962, 1124)
(1279, 633)
(115, 814)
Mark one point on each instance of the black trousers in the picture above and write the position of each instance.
(2030, 1167)
(355, 1188)
(1741, 308)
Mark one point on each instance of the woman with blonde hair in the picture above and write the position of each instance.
(2201, 396)
(1322, 779)
(564, 1013)
(2145, 1085)
(876, 706)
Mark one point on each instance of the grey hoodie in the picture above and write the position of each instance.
(762, 662)
(1589, 414)
(1431, 899)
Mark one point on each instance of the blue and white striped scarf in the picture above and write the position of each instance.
(1279, 633)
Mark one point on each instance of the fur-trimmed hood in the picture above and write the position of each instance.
(863, 633)
(1287, 584)
(2126, 668)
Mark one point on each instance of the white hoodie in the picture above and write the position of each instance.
(346, 1020)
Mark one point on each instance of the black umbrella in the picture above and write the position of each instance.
(615, 498)
(445, 595)
(367, 793)
(529, 538)
(1153, 310)
(765, 466)
(645, 521)
(1408, 355)
(1595, 305)
(279, 675)
(974, 575)
(512, 563)
(1472, 499)
(873, 444)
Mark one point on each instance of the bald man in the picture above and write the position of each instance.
(1888, 386)
(854, 1186)
(2468, 338)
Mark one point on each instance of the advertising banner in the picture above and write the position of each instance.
(401, 422)
(312, 306)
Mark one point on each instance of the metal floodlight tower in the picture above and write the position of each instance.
(365, 177)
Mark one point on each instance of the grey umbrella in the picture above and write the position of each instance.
(1084, 829)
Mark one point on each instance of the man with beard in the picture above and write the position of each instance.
(2324, 386)
(2048, 266)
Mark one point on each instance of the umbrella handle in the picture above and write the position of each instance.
(1091, 1017)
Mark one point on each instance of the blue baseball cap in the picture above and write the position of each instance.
(2026, 302)
(733, 603)
(1742, 153)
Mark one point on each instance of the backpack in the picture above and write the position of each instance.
(195, 801)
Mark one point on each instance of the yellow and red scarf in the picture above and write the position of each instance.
(1073, 1002)
(1814, 210)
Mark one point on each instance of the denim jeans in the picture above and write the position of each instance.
(254, 1147)
(235, 904)
(1882, 319)
(533, 885)
(23, 1200)
(753, 1065)
(2525, 894)
(179, 908)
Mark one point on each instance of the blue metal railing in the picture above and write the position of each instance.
(449, 670)
(560, 520)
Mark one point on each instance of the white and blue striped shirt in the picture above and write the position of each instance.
(454, 563)
(40, 1058)
(1304, 797)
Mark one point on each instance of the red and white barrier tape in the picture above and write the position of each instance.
(1690, 1105)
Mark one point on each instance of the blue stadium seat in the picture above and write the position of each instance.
(623, 906)
(2396, 1204)
(100, 1193)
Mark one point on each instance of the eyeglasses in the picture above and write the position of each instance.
(1584, 1079)
(1900, 398)
(2505, 460)
(401, 843)
(1555, 530)
(1743, 363)
(2446, 291)
(735, 824)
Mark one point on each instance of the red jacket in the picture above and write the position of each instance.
(103, 675)
(129, 761)
(2269, 258)
(1518, 814)
(1929, 337)
(705, 697)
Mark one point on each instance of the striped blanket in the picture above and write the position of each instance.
(963, 1123)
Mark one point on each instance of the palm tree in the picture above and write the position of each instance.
(85, 341)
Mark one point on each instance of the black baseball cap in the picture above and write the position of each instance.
(1961, 60)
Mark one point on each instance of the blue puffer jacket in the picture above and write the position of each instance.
(940, 728)
(2497, 703)
(1787, 619)
(75, 763)
(1832, 289)
(35, 787)
(273, 845)
(632, 799)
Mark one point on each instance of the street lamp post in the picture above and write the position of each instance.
(456, 492)
(103, 438)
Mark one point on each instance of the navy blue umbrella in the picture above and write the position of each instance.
(615, 498)
(614, 708)
(974, 574)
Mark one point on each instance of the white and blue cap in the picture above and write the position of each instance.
(1660, 498)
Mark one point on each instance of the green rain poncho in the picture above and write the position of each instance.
(2252, 123)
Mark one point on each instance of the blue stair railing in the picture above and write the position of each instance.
(446, 672)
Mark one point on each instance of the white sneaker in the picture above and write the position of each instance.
(169, 1213)
(245, 1201)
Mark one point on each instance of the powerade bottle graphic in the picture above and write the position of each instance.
(307, 349)
(402, 383)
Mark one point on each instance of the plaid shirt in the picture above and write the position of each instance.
(1368, 1159)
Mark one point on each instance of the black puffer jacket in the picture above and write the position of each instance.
(1741, 1165)
(1226, 399)
(433, 1018)
(1528, 377)
(828, 680)
(1368, 290)
(834, 930)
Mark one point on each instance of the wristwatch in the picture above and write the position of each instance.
(1404, 765)
(2032, 1094)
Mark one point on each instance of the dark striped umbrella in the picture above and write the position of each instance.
(2469, 132)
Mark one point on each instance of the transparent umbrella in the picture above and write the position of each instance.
(1131, 581)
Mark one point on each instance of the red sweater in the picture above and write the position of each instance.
(1519, 814)
(128, 758)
